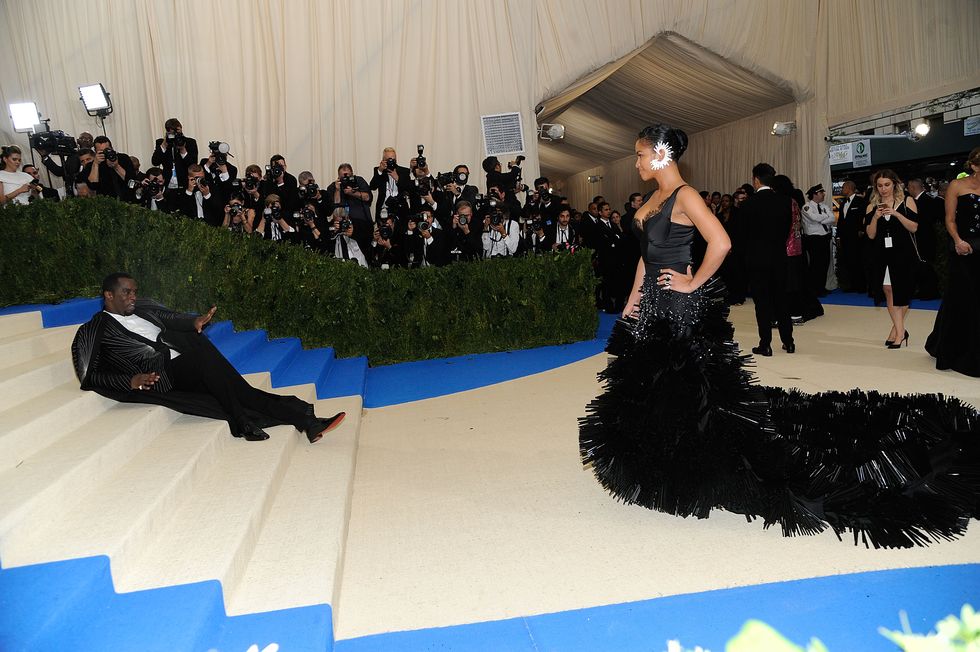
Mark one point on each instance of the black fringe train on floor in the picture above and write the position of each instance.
(683, 428)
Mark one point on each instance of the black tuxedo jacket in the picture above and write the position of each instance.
(379, 184)
(435, 254)
(166, 160)
(110, 184)
(551, 237)
(178, 201)
(851, 222)
(767, 218)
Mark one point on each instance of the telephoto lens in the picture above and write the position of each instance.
(463, 220)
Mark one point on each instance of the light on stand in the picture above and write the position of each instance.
(96, 101)
(25, 116)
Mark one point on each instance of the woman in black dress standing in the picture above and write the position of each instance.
(953, 341)
(891, 223)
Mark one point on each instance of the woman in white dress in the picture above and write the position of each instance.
(15, 185)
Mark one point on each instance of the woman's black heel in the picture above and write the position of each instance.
(898, 345)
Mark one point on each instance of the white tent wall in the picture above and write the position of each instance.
(328, 82)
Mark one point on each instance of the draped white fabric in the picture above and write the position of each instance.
(324, 82)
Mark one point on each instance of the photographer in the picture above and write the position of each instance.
(150, 192)
(71, 165)
(275, 227)
(544, 201)
(502, 235)
(425, 245)
(108, 175)
(38, 191)
(389, 180)
(174, 153)
(501, 198)
(281, 183)
(386, 248)
(309, 192)
(80, 187)
(308, 221)
(196, 200)
(218, 168)
(561, 235)
(345, 244)
(423, 186)
(352, 193)
(466, 236)
(251, 188)
(238, 219)
(511, 183)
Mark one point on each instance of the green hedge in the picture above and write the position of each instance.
(55, 251)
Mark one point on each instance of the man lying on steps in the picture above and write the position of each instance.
(138, 351)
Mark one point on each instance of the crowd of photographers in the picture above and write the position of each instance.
(396, 216)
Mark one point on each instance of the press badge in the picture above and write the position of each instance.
(888, 242)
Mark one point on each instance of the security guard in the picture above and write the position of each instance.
(818, 219)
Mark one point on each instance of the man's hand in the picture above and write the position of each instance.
(203, 320)
(144, 382)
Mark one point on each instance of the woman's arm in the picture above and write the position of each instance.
(872, 228)
(909, 223)
(711, 230)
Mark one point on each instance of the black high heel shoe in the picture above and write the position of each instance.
(898, 345)
(890, 342)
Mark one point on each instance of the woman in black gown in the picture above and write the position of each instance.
(682, 426)
(954, 340)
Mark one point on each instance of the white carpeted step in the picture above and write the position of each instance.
(21, 347)
(51, 482)
(24, 381)
(125, 512)
(299, 554)
(212, 533)
(36, 424)
(22, 322)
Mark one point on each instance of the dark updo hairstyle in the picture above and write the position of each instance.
(676, 139)
(973, 159)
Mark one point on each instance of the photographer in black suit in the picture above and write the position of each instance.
(544, 200)
(561, 235)
(465, 237)
(386, 249)
(389, 180)
(110, 172)
(196, 200)
(767, 218)
(174, 153)
(71, 165)
(151, 191)
(220, 170)
(851, 237)
(281, 183)
(352, 193)
(426, 246)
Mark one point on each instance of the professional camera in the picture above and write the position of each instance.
(384, 232)
(420, 161)
(344, 225)
(54, 142)
(274, 171)
(235, 209)
(483, 205)
(390, 165)
(305, 214)
(308, 191)
(425, 186)
(273, 212)
(537, 224)
(249, 182)
(148, 189)
(496, 217)
(176, 138)
(348, 181)
(110, 154)
(463, 220)
(422, 221)
(445, 178)
(206, 181)
(220, 151)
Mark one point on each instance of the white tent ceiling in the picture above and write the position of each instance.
(668, 80)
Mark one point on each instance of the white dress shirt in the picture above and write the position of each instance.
(136, 324)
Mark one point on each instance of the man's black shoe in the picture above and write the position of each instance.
(251, 433)
(790, 348)
(319, 427)
(763, 350)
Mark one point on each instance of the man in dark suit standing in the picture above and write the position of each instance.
(768, 217)
(174, 153)
(931, 212)
(850, 231)
(141, 352)
(109, 174)
(389, 179)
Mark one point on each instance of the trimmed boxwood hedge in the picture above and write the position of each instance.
(51, 251)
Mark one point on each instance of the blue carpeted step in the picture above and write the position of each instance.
(346, 377)
(74, 311)
(308, 366)
(220, 329)
(237, 347)
(273, 356)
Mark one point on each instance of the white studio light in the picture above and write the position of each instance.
(96, 99)
(25, 116)
(920, 127)
(783, 128)
(551, 132)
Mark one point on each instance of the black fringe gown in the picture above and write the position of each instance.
(683, 428)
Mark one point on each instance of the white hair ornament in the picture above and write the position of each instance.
(662, 156)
